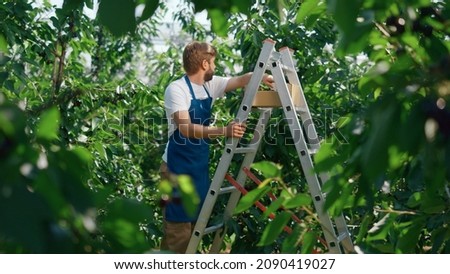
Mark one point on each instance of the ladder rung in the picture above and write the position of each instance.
(301, 109)
(286, 68)
(275, 56)
(342, 237)
(244, 150)
(213, 228)
(227, 189)
(312, 151)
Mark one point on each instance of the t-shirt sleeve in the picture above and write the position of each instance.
(175, 99)
(217, 86)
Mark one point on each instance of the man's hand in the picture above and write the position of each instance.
(268, 80)
(235, 130)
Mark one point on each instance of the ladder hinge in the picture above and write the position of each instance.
(228, 189)
(213, 228)
(245, 149)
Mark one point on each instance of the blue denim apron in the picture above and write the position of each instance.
(190, 156)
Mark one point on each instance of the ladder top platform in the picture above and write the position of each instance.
(271, 98)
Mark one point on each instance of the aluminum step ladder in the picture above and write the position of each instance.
(281, 65)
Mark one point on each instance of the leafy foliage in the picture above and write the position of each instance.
(393, 154)
(79, 133)
(77, 145)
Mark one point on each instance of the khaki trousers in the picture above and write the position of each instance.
(176, 235)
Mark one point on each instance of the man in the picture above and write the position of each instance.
(188, 103)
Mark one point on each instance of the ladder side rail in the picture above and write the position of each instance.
(255, 81)
(208, 205)
(307, 121)
(342, 228)
(230, 146)
(249, 94)
(286, 57)
(233, 200)
(305, 157)
(341, 224)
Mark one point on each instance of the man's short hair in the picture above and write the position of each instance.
(194, 54)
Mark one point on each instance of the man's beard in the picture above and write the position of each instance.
(209, 75)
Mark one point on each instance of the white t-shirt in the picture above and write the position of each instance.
(177, 97)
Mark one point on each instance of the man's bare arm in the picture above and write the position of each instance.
(242, 80)
(191, 130)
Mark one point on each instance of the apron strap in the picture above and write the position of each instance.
(191, 90)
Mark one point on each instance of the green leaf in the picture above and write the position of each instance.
(219, 21)
(25, 214)
(309, 240)
(73, 168)
(310, 8)
(408, 237)
(242, 6)
(298, 201)
(19, 70)
(268, 169)
(51, 192)
(118, 16)
(3, 44)
(384, 124)
(367, 220)
(72, 4)
(66, 10)
(274, 206)
(354, 41)
(101, 150)
(339, 196)
(325, 158)
(3, 60)
(345, 13)
(90, 4)
(165, 187)
(292, 240)
(189, 196)
(6, 125)
(396, 158)
(9, 84)
(3, 77)
(274, 228)
(380, 229)
(122, 225)
(432, 203)
(411, 131)
(436, 48)
(83, 154)
(149, 10)
(312, 19)
(438, 238)
(250, 198)
(47, 128)
(55, 20)
(414, 200)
